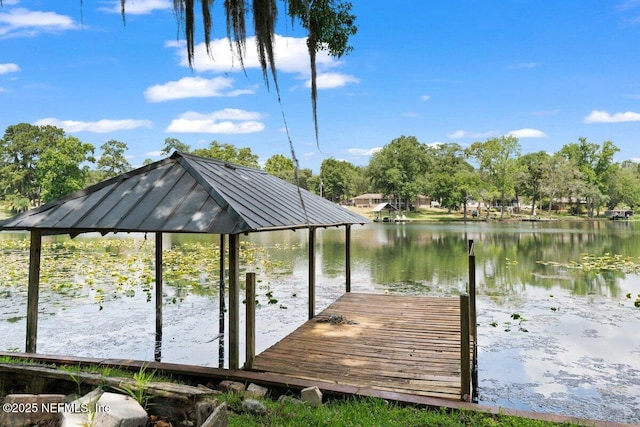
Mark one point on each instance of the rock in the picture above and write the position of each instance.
(254, 390)
(254, 407)
(312, 395)
(21, 410)
(232, 386)
(117, 410)
(78, 412)
(290, 399)
(218, 418)
(204, 408)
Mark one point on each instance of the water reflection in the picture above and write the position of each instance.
(580, 355)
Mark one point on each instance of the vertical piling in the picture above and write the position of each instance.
(159, 279)
(234, 301)
(465, 350)
(33, 291)
(347, 256)
(221, 304)
(312, 272)
(250, 339)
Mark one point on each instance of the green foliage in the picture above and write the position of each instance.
(497, 159)
(113, 161)
(174, 144)
(137, 389)
(363, 411)
(229, 153)
(399, 168)
(41, 163)
(338, 179)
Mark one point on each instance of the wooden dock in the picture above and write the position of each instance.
(398, 344)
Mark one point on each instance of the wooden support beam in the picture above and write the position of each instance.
(312, 272)
(250, 311)
(473, 319)
(465, 350)
(234, 301)
(222, 306)
(159, 279)
(347, 256)
(33, 291)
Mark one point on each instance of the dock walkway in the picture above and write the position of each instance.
(399, 344)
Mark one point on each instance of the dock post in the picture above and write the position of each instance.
(33, 291)
(312, 272)
(473, 319)
(159, 278)
(465, 350)
(347, 256)
(234, 301)
(221, 304)
(250, 339)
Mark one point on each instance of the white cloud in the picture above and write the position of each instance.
(527, 133)
(154, 153)
(21, 22)
(9, 68)
(227, 121)
(101, 126)
(291, 53)
(139, 7)
(194, 87)
(308, 154)
(598, 116)
(364, 152)
(425, 97)
(459, 134)
(332, 80)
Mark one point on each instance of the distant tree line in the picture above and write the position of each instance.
(42, 163)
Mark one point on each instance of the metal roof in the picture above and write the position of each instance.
(185, 193)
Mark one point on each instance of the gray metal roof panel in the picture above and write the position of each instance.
(185, 193)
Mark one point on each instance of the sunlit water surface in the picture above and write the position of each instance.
(551, 338)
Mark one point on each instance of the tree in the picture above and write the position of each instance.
(595, 163)
(561, 178)
(328, 23)
(447, 175)
(59, 170)
(280, 166)
(174, 144)
(624, 186)
(113, 162)
(497, 157)
(20, 151)
(337, 179)
(229, 153)
(399, 169)
(534, 166)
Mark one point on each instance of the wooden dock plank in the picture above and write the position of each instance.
(399, 344)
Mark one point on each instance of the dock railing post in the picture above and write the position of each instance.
(473, 319)
(465, 350)
(33, 291)
(250, 340)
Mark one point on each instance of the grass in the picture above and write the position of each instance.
(352, 411)
(368, 412)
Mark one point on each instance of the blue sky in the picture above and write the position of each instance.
(546, 71)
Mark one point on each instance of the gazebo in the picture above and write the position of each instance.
(184, 194)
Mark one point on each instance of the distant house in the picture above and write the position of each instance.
(369, 200)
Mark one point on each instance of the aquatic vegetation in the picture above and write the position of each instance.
(108, 268)
(598, 264)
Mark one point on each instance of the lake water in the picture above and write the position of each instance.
(555, 332)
